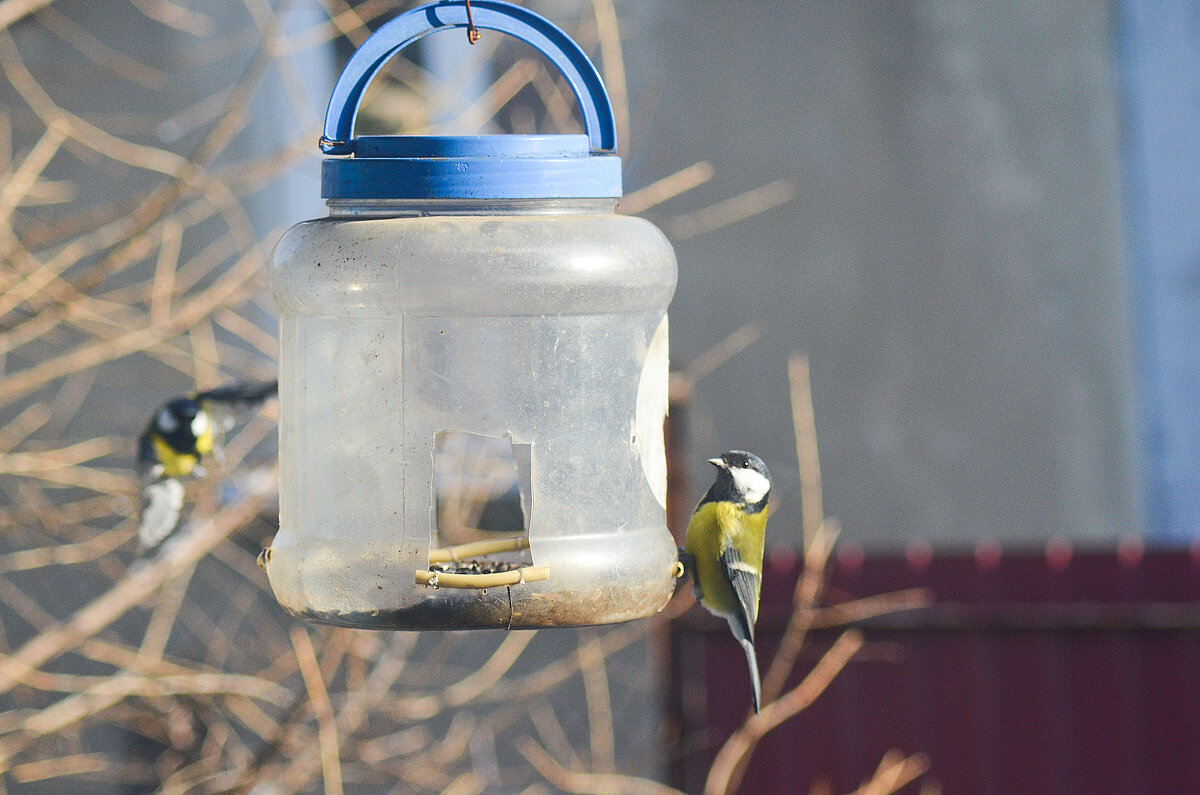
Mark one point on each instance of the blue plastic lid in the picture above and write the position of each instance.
(470, 166)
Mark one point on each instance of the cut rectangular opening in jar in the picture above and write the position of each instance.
(483, 500)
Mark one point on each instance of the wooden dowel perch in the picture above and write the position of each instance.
(442, 579)
(465, 552)
(477, 549)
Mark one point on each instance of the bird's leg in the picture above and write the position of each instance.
(688, 562)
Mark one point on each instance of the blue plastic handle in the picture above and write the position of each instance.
(495, 15)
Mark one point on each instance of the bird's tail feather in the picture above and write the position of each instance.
(751, 661)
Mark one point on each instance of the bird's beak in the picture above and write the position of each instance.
(717, 462)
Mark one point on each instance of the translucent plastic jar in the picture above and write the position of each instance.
(469, 290)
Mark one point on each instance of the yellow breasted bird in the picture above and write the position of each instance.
(182, 432)
(723, 551)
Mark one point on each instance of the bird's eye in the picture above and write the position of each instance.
(745, 465)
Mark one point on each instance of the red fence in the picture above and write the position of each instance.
(1028, 674)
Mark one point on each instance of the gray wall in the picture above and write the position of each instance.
(952, 263)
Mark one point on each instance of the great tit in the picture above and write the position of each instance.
(723, 551)
(182, 432)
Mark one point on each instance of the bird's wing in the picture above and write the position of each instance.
(745, 581)
(162, 500)
(225, 403)
(241, 394)
(147, 456)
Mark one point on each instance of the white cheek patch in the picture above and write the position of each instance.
(200, 424)
(166, 421)
(751, 483)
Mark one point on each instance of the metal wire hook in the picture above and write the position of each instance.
(472, 31)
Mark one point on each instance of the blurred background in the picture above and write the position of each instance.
(977, 222)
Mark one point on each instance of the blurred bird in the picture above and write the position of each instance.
(723, 551)
(183, 431)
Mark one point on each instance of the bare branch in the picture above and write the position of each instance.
(895, 771)
(721, 776)
(732, 210)
(668, 187)
(587, 783)
(12, 11)
(318, 697)
(804, 425)
(599, 704)
(133, 588)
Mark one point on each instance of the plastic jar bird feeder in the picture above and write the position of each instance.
(478, 284)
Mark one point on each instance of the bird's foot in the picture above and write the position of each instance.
(686, 567)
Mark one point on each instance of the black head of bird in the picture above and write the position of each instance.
(181, 422)
(742, 478)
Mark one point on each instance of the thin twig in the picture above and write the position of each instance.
(707, 363)
(721, 776)
(608, 33)
(804, 598)
(599, 704)
(99, 53)
(587, 783)
(57, 767)
(732, 210)
(471, 687)
(318, 697)
(65, 554)
(129, 591)
(19, 184)
(895, 771)
(176, 16)
(13, 10)
(668, 187)
(804, 426)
